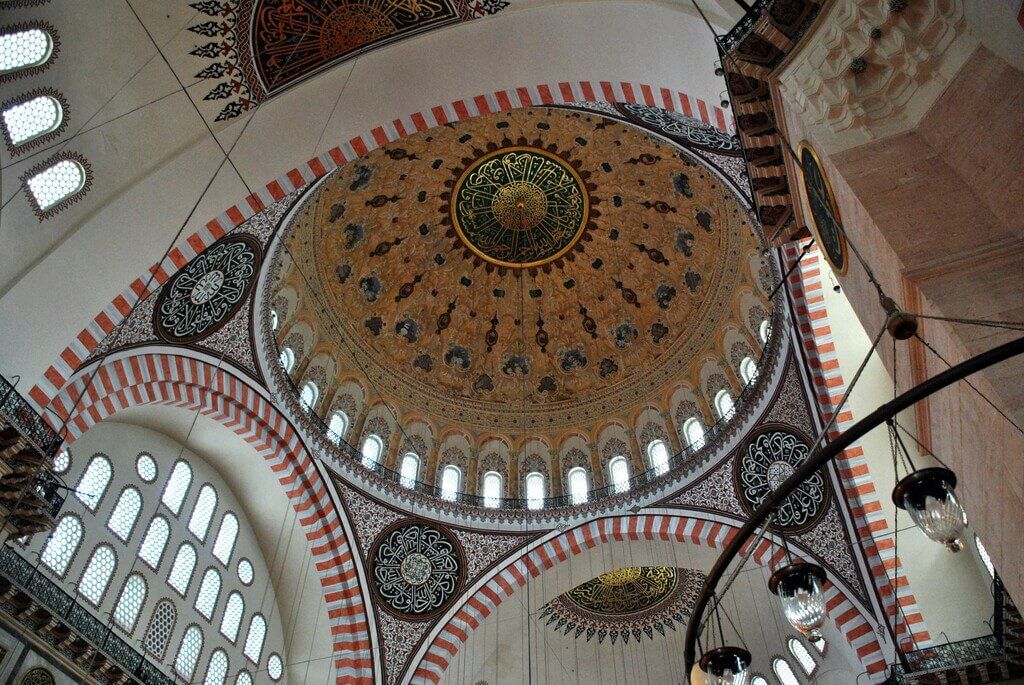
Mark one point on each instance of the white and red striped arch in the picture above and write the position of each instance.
(57, 375)
(805, 286)
(683, 529)
(157, 378)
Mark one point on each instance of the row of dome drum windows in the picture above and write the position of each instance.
(33, 117)
(535, 483)
(64, 542)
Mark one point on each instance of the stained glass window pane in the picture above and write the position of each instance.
(146, 467)
(243, 679)
(94, 481)
(803, 657)
(125, 513)
(694, 432)
(177, 487)
(409, 469)
(985, 558)
(578, 487)
(160, 628)
(245, 572)
(62, 462)
(56, 182)
(182, 568)
(748, 370)
(450, 481)
(723, 403)
(492, 489)
(338, 426)
(309, 395)
(217, 671)
(287, 359)
(209, 592)
(232, 619)
(62, 544)
(657, 453)
(133, 596)
(154, 543)
(97, 574)
(227, 534)
(254, 639)
(32, 118)
(372, 448)
(534, 490)
(784, 672)
(22, 49)
(275, 667)
(202, 514)
(188, 652)
(619, 470)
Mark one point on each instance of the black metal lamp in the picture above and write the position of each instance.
(928, 496)
(726, 666)
(800, 587)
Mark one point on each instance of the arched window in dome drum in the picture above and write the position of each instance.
(618, 469)
(232, 619)
(657, 456)
(534, 490)
(94, 481)
(784, 672)
(254, 638)
(492, 489)
(694, 433)
(372, 449)
(409, 469)
(32, 118)
(723, 404)
(579, 488)
(275, 321)
(748, 370)
(451, 481)
(24, 49)
(62, 544)
(161, 625)
(765, 331)
(181, 571)
(287, 359)
(338, 425)
(802, 656)
(209, 592)
(309, 394)
(56, 183)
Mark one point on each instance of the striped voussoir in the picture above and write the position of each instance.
(455, 633)
(545, 94)
(155, 378)
(806, 287)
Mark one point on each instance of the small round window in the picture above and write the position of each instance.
(146, 467)
(62, 462)
(245, 572)
(275, 667)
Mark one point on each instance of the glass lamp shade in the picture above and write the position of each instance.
(927, 495)
(800, 588)
(726, 666)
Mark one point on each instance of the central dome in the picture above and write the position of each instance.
(531, 269)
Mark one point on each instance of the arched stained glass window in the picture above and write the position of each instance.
(309, 394)
(24, 49)
(492, 489)
(97, 573)
(275, 320)
(94, 481)
(161, 625)
(694, 433)
(177, 487)
(657, 455)
(209, 592)
(57, 182)
(188, 652)
(181, 571)
(202, 513)
(217, 671)
(254, 639)
(765, 331)
(125, 513)
(234, 608)
(227, 534)
(618, 468)
(748, 370)
(338, 425)
(802, 656)
(784, 672)
(129, 603)
(535, 490)
(579, 488)
(723, 404)
(409, 469)
(372, 449)
(243, 678)
(451, 481)
(287, 359)
(31, 119)
(154, 543)
(62, 544)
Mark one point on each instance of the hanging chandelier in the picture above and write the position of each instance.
(800, 588)
(726, 666)
(928, 496)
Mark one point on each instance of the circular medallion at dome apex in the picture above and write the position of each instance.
(208, 290)
(630, 300)
(766, 460)
(520, 207)
(625, 590)
(416, 568)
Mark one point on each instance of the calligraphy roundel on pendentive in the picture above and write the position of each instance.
(767, 459)
(207, 291)
(417, 568)
(825, 221)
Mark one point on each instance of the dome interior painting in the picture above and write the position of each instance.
(479, 342)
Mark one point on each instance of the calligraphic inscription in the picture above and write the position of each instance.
(207, 291)
(520, 207)
(767, 460)
(685, 129)
(416, 569)
(625, 590)
(821, 201)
